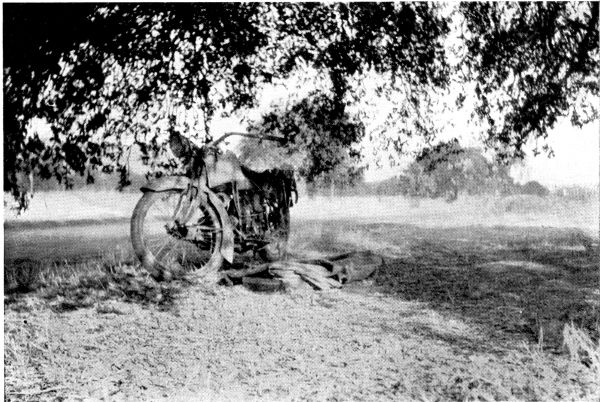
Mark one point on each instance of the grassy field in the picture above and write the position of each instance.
(482, 299)
(59, 207)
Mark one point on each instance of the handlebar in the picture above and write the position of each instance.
(248, 135)
(181, 146)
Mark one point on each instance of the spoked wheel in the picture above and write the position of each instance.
(277, 237)
(171, 233)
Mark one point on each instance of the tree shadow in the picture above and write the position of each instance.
(69, 286)
(516, 282)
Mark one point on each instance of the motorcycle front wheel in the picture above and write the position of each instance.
(172, 233)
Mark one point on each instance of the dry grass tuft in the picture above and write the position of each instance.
(22, 276)
(583, 349)
(70, 286)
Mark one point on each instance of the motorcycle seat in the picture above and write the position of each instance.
(280, 179)
(259, 178)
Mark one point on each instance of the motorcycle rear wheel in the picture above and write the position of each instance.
(159, 228)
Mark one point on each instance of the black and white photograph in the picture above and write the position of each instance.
(301, 201)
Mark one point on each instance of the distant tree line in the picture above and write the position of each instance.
(446, 171)
(443, 171)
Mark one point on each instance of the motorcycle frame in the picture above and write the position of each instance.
(184, 184)
(200, 184)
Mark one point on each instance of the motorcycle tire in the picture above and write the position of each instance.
(165, 254)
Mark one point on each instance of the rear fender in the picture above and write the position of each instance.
(181, 183)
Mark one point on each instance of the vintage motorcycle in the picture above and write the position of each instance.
(218, 207)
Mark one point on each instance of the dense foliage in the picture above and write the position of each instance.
(531, 63)
(108, 77)
(325, 139)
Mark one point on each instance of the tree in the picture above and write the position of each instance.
(325, 141)
(447, 169)
(117, 65)
(531, 64)
(108, 77)
(342, 43)
(31, 58)
(111, 76)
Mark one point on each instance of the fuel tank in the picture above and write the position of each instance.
(222, 168)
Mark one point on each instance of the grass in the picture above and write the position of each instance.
(69, 286)
(582, 347)
(532, 291)
(553, 210)
(529, 281)
(434, 268)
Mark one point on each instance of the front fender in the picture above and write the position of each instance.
(181, 183)
(167, 183)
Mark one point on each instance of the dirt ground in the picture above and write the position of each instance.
(466, 312)
(231, 344)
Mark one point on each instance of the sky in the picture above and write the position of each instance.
(576, 159)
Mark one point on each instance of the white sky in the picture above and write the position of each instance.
(576, 159)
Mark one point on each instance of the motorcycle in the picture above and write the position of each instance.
(219, 207)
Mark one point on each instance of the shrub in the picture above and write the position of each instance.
(534, 188)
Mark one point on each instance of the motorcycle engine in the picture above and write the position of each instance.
(254, 212)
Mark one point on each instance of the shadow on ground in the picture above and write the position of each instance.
(70, 286)
(516, 282)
